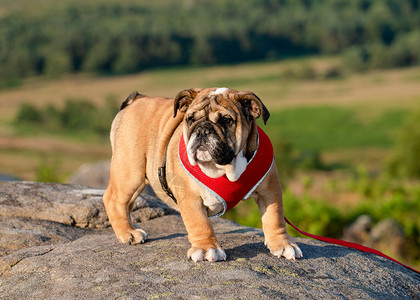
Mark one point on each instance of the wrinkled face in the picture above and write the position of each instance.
(212, 128)
(216, 126)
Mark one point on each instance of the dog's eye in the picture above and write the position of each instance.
(226, 121)
(190, 120)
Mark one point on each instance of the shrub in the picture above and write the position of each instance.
(405, 159)
(310, 160)
(313, 215)
(355, 58)
(49, 171)
(77, 116)
(405, 50)
(283, 153)
(303, 71)
(28, 114)
(333, 72)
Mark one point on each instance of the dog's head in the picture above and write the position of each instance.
(219, 128)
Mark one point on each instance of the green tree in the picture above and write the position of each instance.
(103, 36)
(57, 63)
(128, 58)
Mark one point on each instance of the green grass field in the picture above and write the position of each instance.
(328, 128)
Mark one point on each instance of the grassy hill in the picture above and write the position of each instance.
(336, 116)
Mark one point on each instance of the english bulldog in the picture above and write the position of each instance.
(215, 131)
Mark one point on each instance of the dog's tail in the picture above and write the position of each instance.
(130, 99)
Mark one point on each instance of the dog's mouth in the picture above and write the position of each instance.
(202, 154)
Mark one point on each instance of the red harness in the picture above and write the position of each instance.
(227, 192)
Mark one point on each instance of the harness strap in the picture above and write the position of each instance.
(162, 174)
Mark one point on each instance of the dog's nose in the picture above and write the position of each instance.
(204, 130)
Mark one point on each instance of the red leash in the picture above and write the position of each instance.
(349, 245)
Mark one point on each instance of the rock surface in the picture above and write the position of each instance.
(33, 214)
(55, 243)
(92, 174)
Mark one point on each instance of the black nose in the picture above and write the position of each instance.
(204, 130)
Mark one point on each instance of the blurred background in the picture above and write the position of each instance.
(340, 78)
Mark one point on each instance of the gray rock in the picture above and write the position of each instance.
(378, 236)
(96, 175)
(18, 233)
(89, 263)
(359, 231)
(93, 175)
(386, 230)
(34, 213)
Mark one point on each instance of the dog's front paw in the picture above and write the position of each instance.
(212, 254)
(133, 236)
(283, 247)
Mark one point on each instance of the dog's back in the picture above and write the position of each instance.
(146, 114)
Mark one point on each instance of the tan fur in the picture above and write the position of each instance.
(139, 136)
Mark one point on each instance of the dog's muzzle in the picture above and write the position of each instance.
(206, 145)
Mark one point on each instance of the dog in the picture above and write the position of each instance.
(219, 135)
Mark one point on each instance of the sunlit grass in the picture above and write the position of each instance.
(326, 128)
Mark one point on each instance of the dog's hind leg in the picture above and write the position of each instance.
(126, 183)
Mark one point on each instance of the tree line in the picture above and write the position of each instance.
(46, 37)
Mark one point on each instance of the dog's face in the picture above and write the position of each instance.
(219, 128)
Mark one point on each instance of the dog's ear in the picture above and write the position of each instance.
(184, 99)
(253, 106)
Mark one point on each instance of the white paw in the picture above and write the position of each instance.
(291, 252)
(215, 255)
(197, 255)
(212, 254)
(135, 236)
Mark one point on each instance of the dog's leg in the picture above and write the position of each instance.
(269, 199)
(124, 186)
(204, 245)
